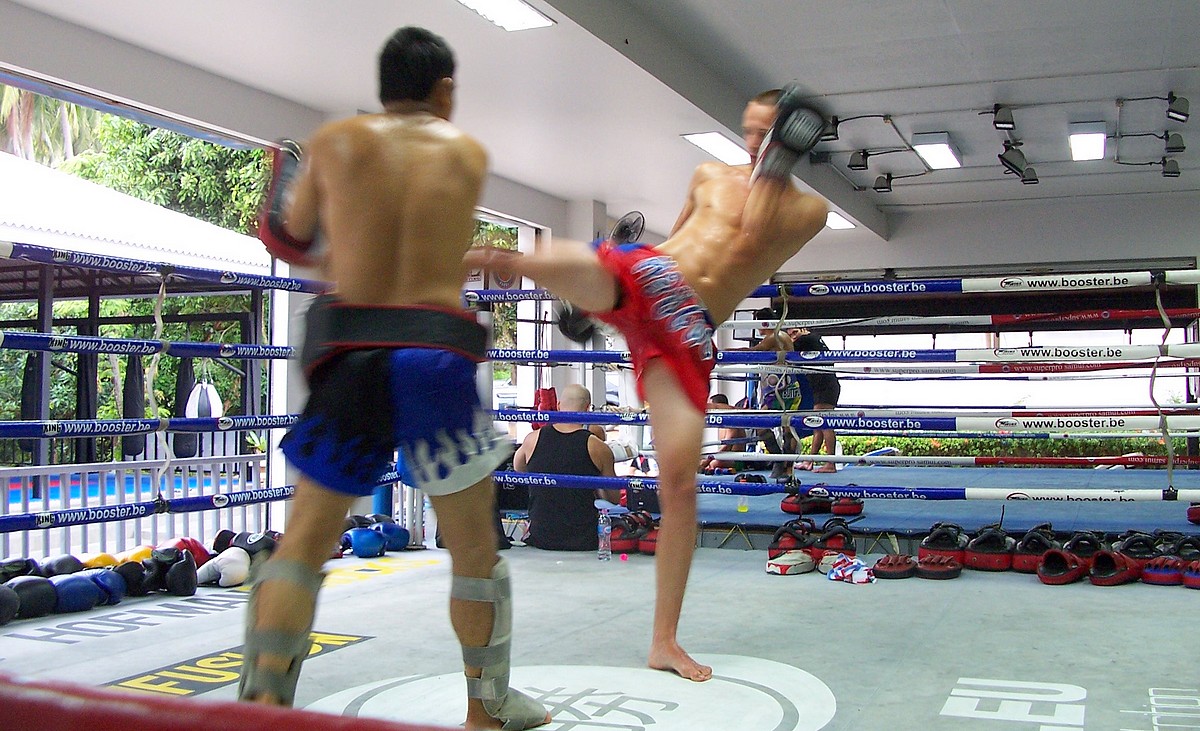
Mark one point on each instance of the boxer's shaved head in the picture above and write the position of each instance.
(575, 398)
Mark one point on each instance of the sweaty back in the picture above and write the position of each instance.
(398, 193)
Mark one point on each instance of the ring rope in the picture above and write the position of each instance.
(918, 287)
(894, 420)
(111, 513)
(120, 346)
(129, 511)
(733, 361)
(1127, 460)
(101, 262)
(1012, 358)
(519, 479)
(68, 428)
(963, 320)
(1016, 424)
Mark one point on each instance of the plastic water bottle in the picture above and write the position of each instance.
(604, 536)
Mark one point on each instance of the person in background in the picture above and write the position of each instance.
(827, 389)
(727, 436)
(777, 392)
(564, 518)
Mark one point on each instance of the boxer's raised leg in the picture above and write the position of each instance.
(570, 270)
(678, 432)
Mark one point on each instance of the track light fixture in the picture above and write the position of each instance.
(1029, 176)
(1174, 144)
(858, 160)
(1170, 168)
(831, 130)
(1177, 107)
(1002, 118)
(1013, 159)
(883, 184)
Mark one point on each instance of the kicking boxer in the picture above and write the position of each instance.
(393, 195)
(739, 224)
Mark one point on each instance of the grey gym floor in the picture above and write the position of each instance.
(987, 651)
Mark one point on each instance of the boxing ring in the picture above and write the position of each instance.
(1052, 361)
(902, 495)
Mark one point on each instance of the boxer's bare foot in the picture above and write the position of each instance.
(674, 659)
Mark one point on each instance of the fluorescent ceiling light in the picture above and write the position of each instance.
(720, 147)
(936, 149)
(509, 14)
(837, 221)
(1087, 141)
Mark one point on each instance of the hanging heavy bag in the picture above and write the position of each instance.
(183, 443)
(134, 405)
(29, 396)
(204, 402)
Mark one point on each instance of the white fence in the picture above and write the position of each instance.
(96, 488)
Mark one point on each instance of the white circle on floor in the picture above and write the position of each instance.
(745, 692)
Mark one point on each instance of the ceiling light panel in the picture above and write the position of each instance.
(837, 221)
(511, 15)
(1087, 140)
(936, 149)
(720, 147)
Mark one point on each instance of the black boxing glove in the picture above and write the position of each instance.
(272, 231)
(575, 324)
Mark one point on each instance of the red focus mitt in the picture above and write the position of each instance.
(271, 230)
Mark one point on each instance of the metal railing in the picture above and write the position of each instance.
(97, 488)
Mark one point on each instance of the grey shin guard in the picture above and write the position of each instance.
(515, 709)
(257, 681)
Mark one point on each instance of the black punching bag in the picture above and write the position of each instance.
(86, 399)
(183, 443)
(134, 406)
(29, 399)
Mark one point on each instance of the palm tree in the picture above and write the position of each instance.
(40, 128)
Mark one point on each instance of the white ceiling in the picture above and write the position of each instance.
(592, 108)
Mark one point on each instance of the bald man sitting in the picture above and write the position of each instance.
(564, 518)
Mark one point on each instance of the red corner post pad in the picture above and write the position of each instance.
(56, 706)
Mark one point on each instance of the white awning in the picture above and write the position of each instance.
(44, 207)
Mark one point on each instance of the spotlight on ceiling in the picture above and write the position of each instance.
(1002, 118)
(936, 149)
(1029, 177)
(1175, 144)
(1087, 140)
(1170, 168)
(1177, 108)
(831, 130)
(858, 160)
(1012, 159)
(883, 184)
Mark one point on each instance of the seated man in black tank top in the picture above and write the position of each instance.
(564, 518)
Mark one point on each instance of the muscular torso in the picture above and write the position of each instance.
(395, 196)
(722, 260)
